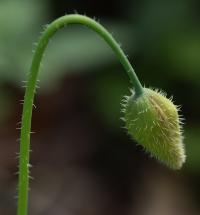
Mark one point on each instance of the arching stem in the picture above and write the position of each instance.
(30, 91)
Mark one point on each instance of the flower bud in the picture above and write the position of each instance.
(152, 120)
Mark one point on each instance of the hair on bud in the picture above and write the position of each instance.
(154, 122)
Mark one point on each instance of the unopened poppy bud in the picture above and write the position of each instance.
(153, 121)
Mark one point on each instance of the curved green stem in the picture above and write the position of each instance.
(30, 91)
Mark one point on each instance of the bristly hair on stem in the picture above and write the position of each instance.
(49, 31)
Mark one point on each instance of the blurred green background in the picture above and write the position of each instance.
(84, 163)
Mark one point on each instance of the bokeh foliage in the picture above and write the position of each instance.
(162, 39)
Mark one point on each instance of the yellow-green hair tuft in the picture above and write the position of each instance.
(153, 121)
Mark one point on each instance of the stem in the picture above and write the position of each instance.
(30, 91)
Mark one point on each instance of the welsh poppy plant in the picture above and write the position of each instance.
(151, 119)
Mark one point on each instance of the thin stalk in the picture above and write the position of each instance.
(31, 86)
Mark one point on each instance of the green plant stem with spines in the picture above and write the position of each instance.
(31, 86)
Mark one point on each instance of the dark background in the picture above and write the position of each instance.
(83, 161)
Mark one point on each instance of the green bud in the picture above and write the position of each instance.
(152, 120)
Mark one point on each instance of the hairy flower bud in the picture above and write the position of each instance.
(153, 121)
